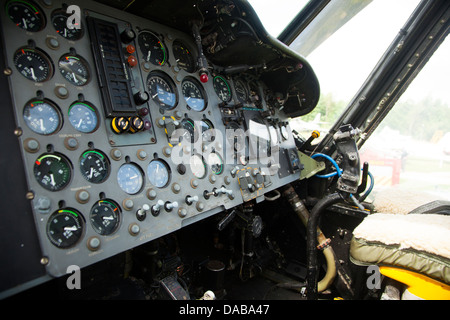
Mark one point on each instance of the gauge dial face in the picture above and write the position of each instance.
(190, 133)
(34, 64)
(42, 117)
(152, 48)
(215, 162)
(105, 217)
(65, 228)
(207, 130)
(162, 90)
(130, 178)
(52, 171)
(74, 69)
(198, 166)
(222, 88)
(158, 173)
(59, 21)
(241, 91)
(83, 117)
(183, 56)
(194, 94)
(26, 15)
(94, 166)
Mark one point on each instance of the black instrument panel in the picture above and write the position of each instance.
(122, 138)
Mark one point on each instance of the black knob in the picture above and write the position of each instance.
(136, 124)
(120, 124)
(127, 35)
(141, 97)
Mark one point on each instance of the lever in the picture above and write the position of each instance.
(365, 173)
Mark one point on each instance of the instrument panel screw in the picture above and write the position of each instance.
(18, 132)
(7, 71)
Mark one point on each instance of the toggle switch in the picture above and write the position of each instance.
(191, 199)
(156, 208)
(141, 213)
(170, 205)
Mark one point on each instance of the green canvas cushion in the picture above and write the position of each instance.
(416, 242)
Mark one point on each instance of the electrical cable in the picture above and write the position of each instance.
(339, 171)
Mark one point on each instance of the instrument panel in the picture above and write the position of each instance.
(123, 140)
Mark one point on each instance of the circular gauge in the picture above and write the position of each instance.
(183, 56)
(65, 228)
(52, 171)
(158, 173)
(198, 166)
(94, 166)
(34, 64)
(130, 178)
(74, 69)
(83, 117)
(59, 21)
(152, 48)
(26, 15)
(215, 162)
(105, 217)
(241, 91)
(190, 133)
(194, 94)
(222, 88)
(207, 130)
(42, 117)
(162, 90)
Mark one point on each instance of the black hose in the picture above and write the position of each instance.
(311, 250)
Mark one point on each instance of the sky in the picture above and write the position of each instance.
(344, 61)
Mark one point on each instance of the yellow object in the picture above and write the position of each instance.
(418, 284)
(315, 134)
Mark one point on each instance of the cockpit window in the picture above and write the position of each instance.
(276, 17)
(344, 60)
(409, 153)
(343, 45)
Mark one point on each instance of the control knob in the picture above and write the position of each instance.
(127, 35)
(141, 97)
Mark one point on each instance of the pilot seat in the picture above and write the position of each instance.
(413, 249)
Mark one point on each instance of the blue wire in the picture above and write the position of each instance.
(338, 170)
